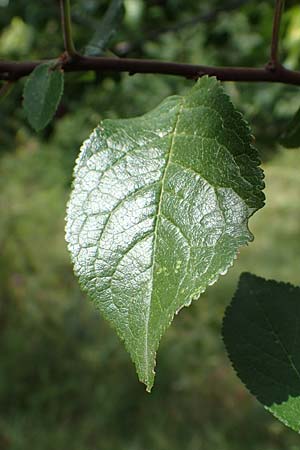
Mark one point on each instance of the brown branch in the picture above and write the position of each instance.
(273, 72)
(274, 61)
(12, 70)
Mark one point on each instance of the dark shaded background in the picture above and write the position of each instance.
(66, 381)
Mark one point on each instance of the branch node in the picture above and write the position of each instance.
(274, 67)
(271, 66)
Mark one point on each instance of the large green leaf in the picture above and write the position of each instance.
(159, 208)
(261, 331)
(42, 94)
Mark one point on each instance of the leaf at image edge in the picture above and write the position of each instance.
(261, 334)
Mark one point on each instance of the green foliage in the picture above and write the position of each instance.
(43, 403)
(261, 333)
(291, 40)
(16, 39)
(159, 210)
(65, 382)
(148, 30)
(106, 29)
(42, 94)
(291, 136)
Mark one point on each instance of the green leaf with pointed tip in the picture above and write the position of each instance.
(106, 29)
(261, 331)
(42, 93)
(291, 137)
(159, 208)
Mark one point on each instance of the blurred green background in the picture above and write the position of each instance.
(66, 381)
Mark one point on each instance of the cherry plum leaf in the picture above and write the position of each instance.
(42, 93)
(159, 208)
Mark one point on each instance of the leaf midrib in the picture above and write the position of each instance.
(158, 214)
(46, 92)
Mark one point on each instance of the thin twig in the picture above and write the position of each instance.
(65, 12)
(274, 59)
(12, 70)
(274, 72)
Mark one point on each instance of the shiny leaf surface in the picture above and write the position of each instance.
(159, 208)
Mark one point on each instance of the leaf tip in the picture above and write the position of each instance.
(147, 378)
(149, 388)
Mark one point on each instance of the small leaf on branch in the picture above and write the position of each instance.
(42, 93)
(159, 209)
(291, 137)
(106, 29)
(261, 331)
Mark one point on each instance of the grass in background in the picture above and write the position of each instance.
(65, 380)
